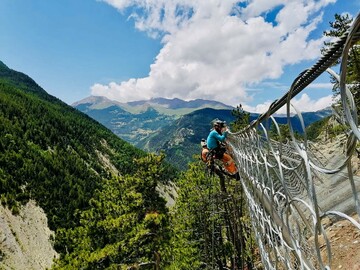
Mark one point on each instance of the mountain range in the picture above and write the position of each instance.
(175, 106)
(136, 121)
(171, 125)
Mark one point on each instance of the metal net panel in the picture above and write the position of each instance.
(291, 186)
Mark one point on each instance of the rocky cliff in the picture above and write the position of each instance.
(25, 239)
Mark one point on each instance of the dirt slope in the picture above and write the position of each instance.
(25, 239)
(344, 240)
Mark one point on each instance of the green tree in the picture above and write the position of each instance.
(239, 221)
(284, 133)
(339, 27)
(314, 130)
(126, 225)
(242, 119)
(189, 220)
(211, 229)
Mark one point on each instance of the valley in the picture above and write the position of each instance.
(173, 126)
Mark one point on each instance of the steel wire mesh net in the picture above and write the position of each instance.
(296, 187)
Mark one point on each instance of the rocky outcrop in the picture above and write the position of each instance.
(25, 239)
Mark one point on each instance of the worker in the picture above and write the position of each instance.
(216, 148)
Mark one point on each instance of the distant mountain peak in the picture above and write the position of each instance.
(174, 106)
(177, 103)
(91, 100)
(97, 102)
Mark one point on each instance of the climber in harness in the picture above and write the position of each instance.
(215, 148)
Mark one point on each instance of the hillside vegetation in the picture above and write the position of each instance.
(93, 186)
(100, 194)
(181, 140)
(49, 152)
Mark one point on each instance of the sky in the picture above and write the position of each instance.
(237, 52)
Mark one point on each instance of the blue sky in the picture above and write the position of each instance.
(232, 51)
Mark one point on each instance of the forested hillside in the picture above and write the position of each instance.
(51, 152)
(98, 191)
(101, 195)
(180, 139)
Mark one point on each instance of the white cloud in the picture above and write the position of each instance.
(321, 86)
(303, 104)
(207, 53)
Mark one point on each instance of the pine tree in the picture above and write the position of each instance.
(242, 118)
(126, 225)
(339, 27)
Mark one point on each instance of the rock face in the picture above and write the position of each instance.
(25, 239)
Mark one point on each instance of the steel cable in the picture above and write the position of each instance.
(287, 186)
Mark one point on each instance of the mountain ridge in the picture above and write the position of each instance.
(2, 65)
(24, 82)
(180, 140)
(177, 103)
(167, 106)
(136, 121)
(153, 130)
